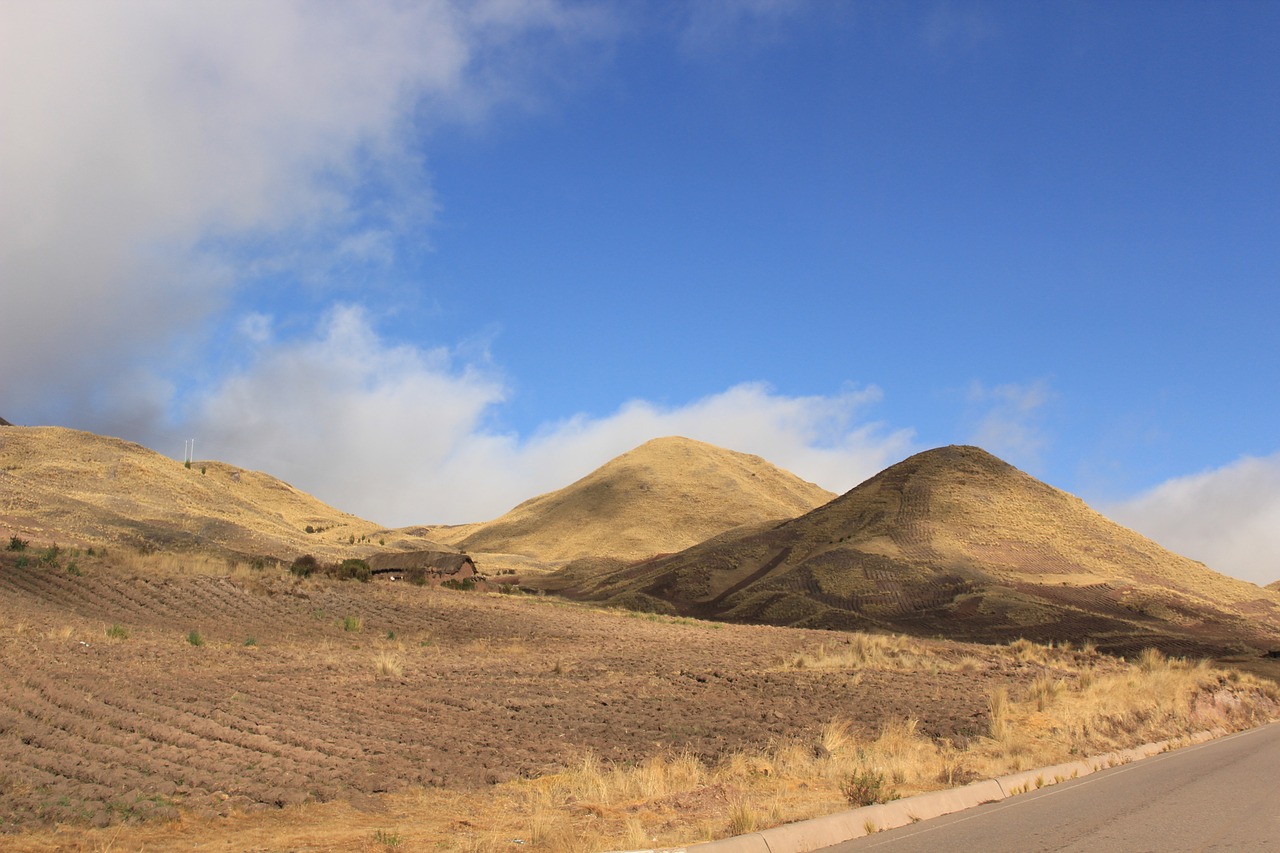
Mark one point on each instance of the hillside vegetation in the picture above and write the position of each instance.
(953, 542)
(664, 496)
(78, 488)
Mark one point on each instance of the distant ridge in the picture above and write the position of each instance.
(959, 543)
(663, 496)
(70, 487)
(4, 423)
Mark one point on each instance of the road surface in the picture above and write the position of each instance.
(1220, 795)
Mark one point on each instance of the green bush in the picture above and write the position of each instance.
(866, 788)
(194, 638)
(466, 584)
(16, 544)
(304, 566)
(352, 569)
(118, 632)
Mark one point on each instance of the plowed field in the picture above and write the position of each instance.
(318, 690)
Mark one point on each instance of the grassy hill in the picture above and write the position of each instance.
(954, 542)
(664, 496)
(78, 488)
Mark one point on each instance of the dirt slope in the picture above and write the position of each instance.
(78, 488)
(955, 542)
(664, 496)
(487, 688)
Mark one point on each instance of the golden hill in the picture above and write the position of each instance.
(77, 488)
(664, 496)
(954, 542)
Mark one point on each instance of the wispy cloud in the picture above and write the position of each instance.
(1228, 518)
(1007, 420)
(950, 26)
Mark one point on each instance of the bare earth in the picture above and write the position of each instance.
(96, 730)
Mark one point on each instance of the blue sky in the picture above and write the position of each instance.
(427, 260)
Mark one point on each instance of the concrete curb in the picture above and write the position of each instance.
(807, 835)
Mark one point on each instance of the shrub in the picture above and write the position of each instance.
(465, 584)
(388, 839)
(73, 569)
(353, 569)
(250, 641)
(194, 638)
(304, 566)
(16, 544)
(352, 623)
(118, 632)
(49, 556)
(866, 788)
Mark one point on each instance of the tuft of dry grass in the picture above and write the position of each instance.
(388, 664)
(998, 725)
(860, 650)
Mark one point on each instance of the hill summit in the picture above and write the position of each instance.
(79, 488)
(664, 496)
(954, 542)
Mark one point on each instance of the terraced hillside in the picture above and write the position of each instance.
(664, 496)
(954, 542)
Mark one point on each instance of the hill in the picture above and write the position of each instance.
(664, 496)
(954, 542)
(77, 488)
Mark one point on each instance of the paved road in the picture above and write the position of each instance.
(1221, 795)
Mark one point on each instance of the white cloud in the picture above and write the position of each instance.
(396, 434)
(1007, 420)
(1228, 518)
(151, 152)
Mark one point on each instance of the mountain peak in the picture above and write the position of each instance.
(663, 496)
(956, 541)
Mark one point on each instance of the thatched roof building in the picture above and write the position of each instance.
(424, 565)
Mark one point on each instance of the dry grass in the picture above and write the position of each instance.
(100, 491)
(676, 799)
(859, 650)
(388, 664)
(668, 799)
(686, 492)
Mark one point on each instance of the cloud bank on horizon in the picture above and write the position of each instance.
(233, 221)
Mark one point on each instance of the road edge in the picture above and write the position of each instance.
(813, 834)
